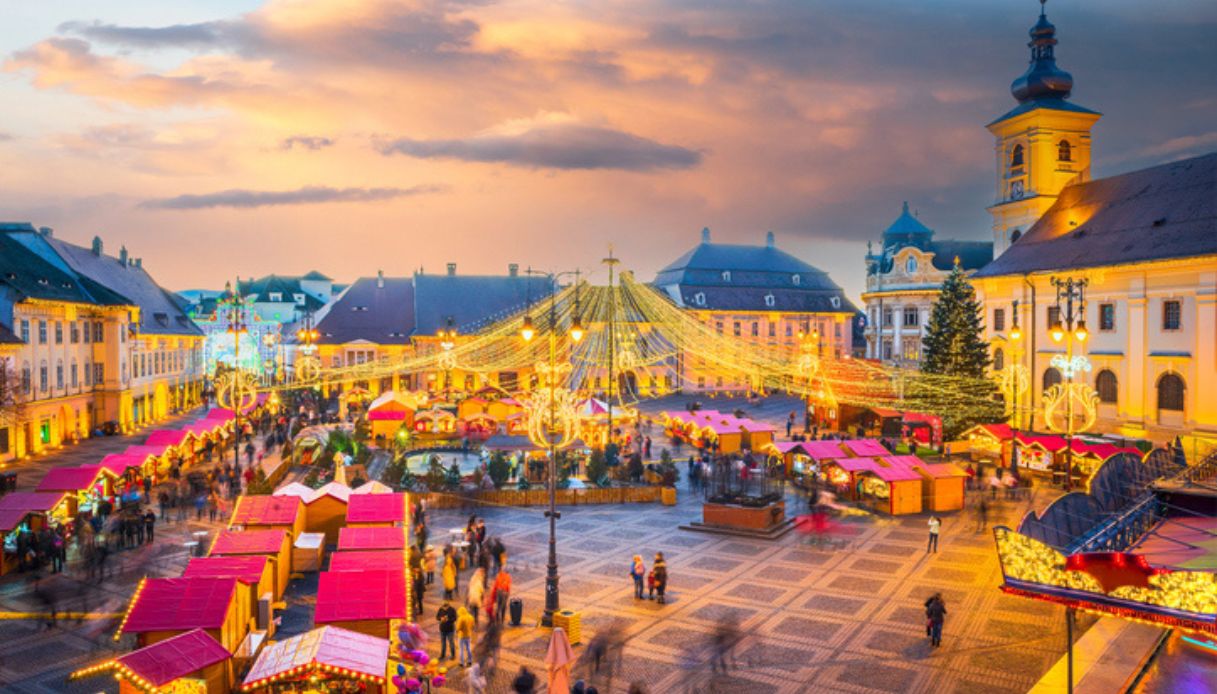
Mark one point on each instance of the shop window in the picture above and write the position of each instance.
(1052, 377)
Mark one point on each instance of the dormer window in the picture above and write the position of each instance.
(1064, 151)
(910, 265)
(699, 299)
(726, 275)
(276, 296)
(299, 298)
(769, 300)
(796, 280)
(835, 301)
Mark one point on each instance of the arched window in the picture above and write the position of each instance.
(999, 359)
(1051, 377)
(1170, 392)
(1105, 382)
(1015, 235)
(1064, 151)
(910, 265)
(1016, 157)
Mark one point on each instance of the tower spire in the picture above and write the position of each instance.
(1043, 79)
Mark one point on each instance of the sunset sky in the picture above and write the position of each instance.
(232, 137)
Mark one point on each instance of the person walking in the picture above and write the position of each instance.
(429, 563)
(464, 635)
(935, 613)
(420, 587)
(149, 526)
(660, 570)
(448, 575)
(982, 515)
(446, 616)
(476, 592)
(638, 572)
(935, 525)
(502, 591)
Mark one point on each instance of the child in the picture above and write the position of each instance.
(651, 584)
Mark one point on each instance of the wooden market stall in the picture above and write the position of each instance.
(154, 460)
(989, 443)
(86, 486)
(721, 431)
(377, 510)
(273, 544)
(166, 607)
(891, 489)
(364, 601)
(325, 509)
(121, 465)
(345, 659)
(255, 573)
(369, 560)
(388, 413)
(865, 447)
(942, 484)
(360, 539)
(269, 513)
(191, 662)
(22, 512)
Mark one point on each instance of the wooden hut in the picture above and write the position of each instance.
(892, 489)
(349, 660)
(84, 486)
(166, 607)
(269, 513)
(364, 601)
(26, 510)
(387, 413)
(192, 661)
(325, 509)
(255, 573)
(942, 485)
(377, 510)
(273, 544)
(371, 538)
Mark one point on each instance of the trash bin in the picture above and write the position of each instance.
(517, 611)
(669, 496)
(571, 622)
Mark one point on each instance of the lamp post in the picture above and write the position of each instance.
(553, 436)
(1016, 376)
(236, 326)
(308, 367)
(1069, 325)
(447, 337)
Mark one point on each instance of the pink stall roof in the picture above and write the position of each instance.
(902, 460)
(245, 568)
(788, 446)
(249, 542)
(203, 426)
(866, 447)
(174, 658)
(857, 464)
(15, 506)
(371, 538)
(119, 463)
(377, 508)
(219, 414)
(166, 437)
(1049, 442)
(174, 604)
(896, 474)
(146, 451)
(825, 450)
(70, 479)
(266, 510)
(328, 645)
(371, 560)
(347, 596)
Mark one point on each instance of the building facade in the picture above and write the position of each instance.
(1144, 243)
(903, 280)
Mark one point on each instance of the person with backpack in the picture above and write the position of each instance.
(638, 572)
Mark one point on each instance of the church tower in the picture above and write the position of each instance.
(1043, 144)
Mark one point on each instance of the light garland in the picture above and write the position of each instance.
(1057, 401)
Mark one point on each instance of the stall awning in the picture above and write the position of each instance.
(249, 542)
(246, 569)
(166, 437)
(168, 660)
(862, 447)
(373, 560)
(371, 538)
(119, 463)
(15, 506)
(345, 596)
(327, 646)
(70, 479)
(266, 510)
(377, 508)
(178, 604)
(825, 450)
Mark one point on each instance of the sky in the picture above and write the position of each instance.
(222, 138)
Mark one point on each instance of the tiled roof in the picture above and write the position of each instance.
(160, 313)
(379, 310)
(32, 269)
(8, 337)
(972, 255)
(263, 287)
(907, 225)
(471, 300)
(1159, 213)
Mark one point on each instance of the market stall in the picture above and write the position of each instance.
(261, 512)
(190, 663)
(369, 560)
(989, 443)
(891, 489)
(121, 465)
(326, 659)
(325, 508)
(865, 447)
(166, 607)
(26, 512)
(273, 544)
(86, 486)
(364, 601)
(942, 484)
(360, 539)
(255, 573)
(388, 413)
(377, 510)
(372, 487)
(793, 457)
(308, 552)
(154, 460)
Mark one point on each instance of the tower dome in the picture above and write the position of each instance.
(1043, 79)
(907, 230)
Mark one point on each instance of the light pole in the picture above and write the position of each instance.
(554, 436)
(447, 336)
(1069, 325)
(1016, 388)
(236, 326)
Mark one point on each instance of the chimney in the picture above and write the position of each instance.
(513, 269)
(139, 262)
(122, 256)
(451, 269)
(769, 240)
(46, 231)
(705, 234)
(380, 279)
(97, 245)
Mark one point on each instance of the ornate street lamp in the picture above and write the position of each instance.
(1070, 326)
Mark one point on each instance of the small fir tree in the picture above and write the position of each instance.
(597, 467)
(453, 480)
(499, 468)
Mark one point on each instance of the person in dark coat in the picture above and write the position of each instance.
(446, 616)
(660, 570)
(149, 525)
(935, 613)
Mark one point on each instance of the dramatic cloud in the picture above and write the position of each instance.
(554, 145)
(309, 195)
(197, 36)
(306, 142)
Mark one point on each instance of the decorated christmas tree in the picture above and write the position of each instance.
(953, 345)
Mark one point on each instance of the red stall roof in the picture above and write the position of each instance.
(1050, 442)
(69, 479)
(177, 604)
(249, 542)
(825, 450)
(1001, 432)
(371, 538)
(173, 658)
(119, 463)
(327, 646)
(266, 510)
(245, 568)
(15, 506)
(377, 508)
(866, 447)
(371, 560)
(219, 414)
(345, 596)
(166, 437)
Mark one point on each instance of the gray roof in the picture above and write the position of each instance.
(159, 313)
(263, 287)
(31, 268)
(471, 300)
(8, 337)
(1163, 212)
(379, 310)
(907, 225)
(1050, 104)
(972, 254)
